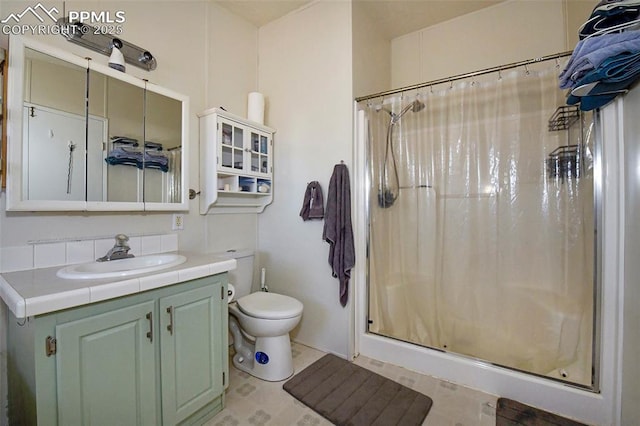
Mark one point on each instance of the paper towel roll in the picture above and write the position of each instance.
(231, 292)
(255, 107)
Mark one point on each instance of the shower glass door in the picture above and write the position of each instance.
(481, 223)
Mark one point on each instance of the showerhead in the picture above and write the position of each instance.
(414, 106)
(417, 106)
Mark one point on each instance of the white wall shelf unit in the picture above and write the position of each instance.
(236, 163)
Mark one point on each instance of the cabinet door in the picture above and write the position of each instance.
(260, 152)
(106, 368)
(231, 146)
(191, 353)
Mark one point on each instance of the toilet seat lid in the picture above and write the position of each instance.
(269, 305)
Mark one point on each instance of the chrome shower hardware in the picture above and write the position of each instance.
(387, 194)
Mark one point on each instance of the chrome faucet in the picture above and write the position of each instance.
(119, 251)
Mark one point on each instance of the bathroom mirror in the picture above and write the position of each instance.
(120, 106)
(163, 148)
(82, 136)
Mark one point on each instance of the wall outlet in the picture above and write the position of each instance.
(178, 222)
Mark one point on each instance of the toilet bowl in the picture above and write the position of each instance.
(260, 323)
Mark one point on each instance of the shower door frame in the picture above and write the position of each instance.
(597, 407)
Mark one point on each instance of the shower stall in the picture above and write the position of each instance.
(481, 222)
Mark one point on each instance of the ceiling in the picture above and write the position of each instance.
(393, 17)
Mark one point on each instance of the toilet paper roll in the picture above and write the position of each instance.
(255, 107)
(231, 292)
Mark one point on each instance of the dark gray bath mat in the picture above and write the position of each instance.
(514, 413)
(347, 394)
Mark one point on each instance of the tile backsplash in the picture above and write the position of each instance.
(44, 254)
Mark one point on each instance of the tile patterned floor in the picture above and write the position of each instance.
(253, 402)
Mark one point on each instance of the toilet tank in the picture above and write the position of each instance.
(242, 276)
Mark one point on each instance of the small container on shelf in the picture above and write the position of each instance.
(264, 186)
(247, 184)
(227, 183)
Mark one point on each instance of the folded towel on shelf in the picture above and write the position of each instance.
(156, 160)
(592, 52)
(614, 76)
(312, 206)
(338, 231)
(139, 159)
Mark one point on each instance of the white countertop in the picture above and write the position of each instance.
(40, 291)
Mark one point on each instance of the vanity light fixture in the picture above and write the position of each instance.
(87, 36)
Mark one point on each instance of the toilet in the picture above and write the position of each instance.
(260, 324)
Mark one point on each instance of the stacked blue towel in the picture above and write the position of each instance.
(590, 53)
(139, 159)
(605, 62)
(156, 160)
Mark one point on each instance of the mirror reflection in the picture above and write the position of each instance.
(91, 136)
(121, 106)
(54, 130)
(163, 149)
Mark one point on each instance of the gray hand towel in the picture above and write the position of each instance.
(338, 231)
(312, 206)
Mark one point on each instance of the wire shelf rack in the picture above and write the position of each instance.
(564, 117)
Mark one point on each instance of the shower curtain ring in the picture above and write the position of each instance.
(499, 75)
(526, 69)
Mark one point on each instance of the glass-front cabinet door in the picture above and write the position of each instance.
(260, 153)
(232, 149)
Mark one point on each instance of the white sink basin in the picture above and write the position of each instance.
(121, 267)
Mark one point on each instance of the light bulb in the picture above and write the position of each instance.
(116, 60)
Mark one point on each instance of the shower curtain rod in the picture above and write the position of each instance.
(466, 75)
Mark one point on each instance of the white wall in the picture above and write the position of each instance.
(232, 70)
(371, 54)
(306, 74)
(508, 32)
(231, 73)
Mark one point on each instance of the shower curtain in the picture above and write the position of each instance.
(482, 253)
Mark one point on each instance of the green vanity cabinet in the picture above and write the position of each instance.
(106, 368)
(192, 365)
(152, 358)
